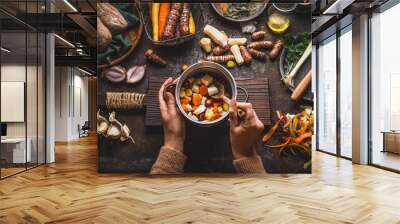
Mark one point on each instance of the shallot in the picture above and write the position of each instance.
(115, 74)
(135, 74)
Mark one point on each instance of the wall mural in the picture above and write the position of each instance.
(204, 88)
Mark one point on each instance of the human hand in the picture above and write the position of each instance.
(243, 133)
(174, 125)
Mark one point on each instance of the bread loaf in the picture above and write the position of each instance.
(104, 36)
(111, 17)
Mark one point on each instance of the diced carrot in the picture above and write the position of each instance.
(215, 109)
(184, 101)
(196, 100)
(216, 104)
(203, 90)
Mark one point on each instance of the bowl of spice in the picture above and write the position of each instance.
(240, 12)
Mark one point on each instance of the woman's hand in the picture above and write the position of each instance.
(174, 125)
(244, 133)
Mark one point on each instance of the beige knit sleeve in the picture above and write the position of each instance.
(169, 161)
(249, 165)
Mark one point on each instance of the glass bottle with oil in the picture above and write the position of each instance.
(279, 17)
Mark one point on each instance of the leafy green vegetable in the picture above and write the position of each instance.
(295, 45)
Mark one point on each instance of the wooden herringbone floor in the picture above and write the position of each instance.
(71, 191)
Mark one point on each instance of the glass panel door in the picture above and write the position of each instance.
(327, 95)
(346, 95)
(385, 89)
(13, 94)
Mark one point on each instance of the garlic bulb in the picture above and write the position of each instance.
(102, 124)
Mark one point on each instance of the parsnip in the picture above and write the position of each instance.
(206, 44)
(237, 41)
(216, 35)
(236, 53)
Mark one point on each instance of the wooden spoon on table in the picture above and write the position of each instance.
(221, 95)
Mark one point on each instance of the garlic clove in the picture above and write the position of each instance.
(113, 132)
(102, 128)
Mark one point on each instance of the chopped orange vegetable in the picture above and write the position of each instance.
(300, 139)
(280, 145)
(216, 104)
(194, 108)
(196, 100)
(203, 90)
(184, 101)
(271, 131)
(215, 110)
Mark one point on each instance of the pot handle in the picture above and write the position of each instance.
(245, 93)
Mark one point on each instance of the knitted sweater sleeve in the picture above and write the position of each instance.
(169, 161)
(249, 165)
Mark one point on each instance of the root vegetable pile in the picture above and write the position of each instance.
(239, 53)
(171, 20)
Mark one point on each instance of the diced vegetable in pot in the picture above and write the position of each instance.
(207, 80)
(195, 98)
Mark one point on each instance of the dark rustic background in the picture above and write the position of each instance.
(208, 149)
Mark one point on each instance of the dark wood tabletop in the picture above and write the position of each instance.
(208, 149)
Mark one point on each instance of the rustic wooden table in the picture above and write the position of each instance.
(208, 149)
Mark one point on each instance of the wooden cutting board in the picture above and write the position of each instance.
(258, 90)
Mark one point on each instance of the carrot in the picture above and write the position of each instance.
(155, 10)
(271, 131)
(184, 101)
(300, 139)
(162, 19)
(192, 26)
(196, 100)
(203, 90)
(216, 104)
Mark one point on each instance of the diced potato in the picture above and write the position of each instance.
(195, 88)
(182, 92)
(204, 101)
(209, 114)
(212, 90)
(200, 109)
(225, 107)
(207, 79)
(220, 109)
(188, 92)
(188, 107)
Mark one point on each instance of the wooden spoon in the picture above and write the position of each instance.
(221, 95)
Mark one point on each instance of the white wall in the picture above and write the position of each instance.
(70, 83)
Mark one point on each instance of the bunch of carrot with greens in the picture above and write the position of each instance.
(171, 20)
(295, 130)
